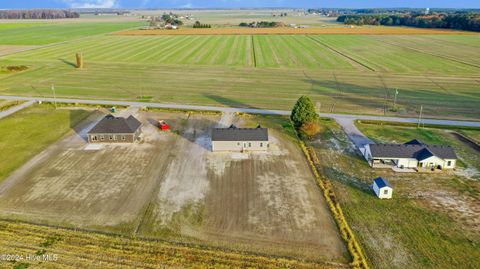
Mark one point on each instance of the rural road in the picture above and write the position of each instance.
(14, 109)
(245, 110)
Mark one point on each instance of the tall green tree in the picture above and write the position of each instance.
(303, 112)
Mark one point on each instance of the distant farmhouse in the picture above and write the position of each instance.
(413, 154)
(240, 139)
(113, 129)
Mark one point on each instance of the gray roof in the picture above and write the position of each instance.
(414, 151)
(240, 134)
(116, 125)
(381, 182)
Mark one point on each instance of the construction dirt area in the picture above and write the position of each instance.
(171, 186)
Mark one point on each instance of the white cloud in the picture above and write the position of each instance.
(91, 3)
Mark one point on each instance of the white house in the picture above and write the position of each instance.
(413, 154)
(382, 188)
(240, 139)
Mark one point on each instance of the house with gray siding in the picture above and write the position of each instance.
(240, 139)
(413, 154)
(113, 129)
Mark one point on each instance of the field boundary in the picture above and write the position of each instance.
(356, 252)
(341, 53)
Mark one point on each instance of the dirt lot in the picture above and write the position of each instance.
(171, 186)
(292, 31)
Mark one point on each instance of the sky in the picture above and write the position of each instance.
(12, 4)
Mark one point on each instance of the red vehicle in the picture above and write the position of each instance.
(163, 125)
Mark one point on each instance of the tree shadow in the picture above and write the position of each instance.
(246, 108)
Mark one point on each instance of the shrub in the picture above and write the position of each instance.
(310, 128)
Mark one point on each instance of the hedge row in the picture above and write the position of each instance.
(359, 260)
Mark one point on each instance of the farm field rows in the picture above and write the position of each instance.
(329, 52)
(383, 57)
(47, 33)
(458, 48)
(335, 29)
(269, 88)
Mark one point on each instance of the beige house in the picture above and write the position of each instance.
(240, 139)
(413, 154)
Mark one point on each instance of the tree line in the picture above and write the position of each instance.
(262, 24)
(197, 24)
(460, 21)
(38, 14)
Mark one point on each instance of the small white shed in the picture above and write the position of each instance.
(382, 188)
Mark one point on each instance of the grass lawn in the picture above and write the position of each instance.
(27, 132)
(47, 33)
(431, 222)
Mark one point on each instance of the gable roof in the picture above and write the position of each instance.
(413, 151)
(116, 125)
(381, 182)
(240, 134)
(414, 142)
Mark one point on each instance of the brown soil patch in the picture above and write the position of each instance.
(299, 31)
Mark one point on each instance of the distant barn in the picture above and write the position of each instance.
(113, 129)
(240, 139)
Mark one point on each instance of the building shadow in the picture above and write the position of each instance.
(72, 64)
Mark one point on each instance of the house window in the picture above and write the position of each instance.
(385, 192)
(449, 163)
(249, 145)
(111, 137)
(102, 137)
(94, 138)
(238, 144)
(123, 137)
(261, 145)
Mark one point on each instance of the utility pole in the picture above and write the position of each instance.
(420, 116)
(54, 96)
(395, 99)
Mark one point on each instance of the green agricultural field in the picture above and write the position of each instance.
(271, 88)
(47, 33)
(29, 131)
(375, 54)
(342, 73)
(431, 220)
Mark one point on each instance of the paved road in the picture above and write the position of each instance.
(14, 109)
(245, 110)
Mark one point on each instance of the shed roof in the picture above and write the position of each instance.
(116, 125)
(414, 151)
(381, 182)
(240, 134)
